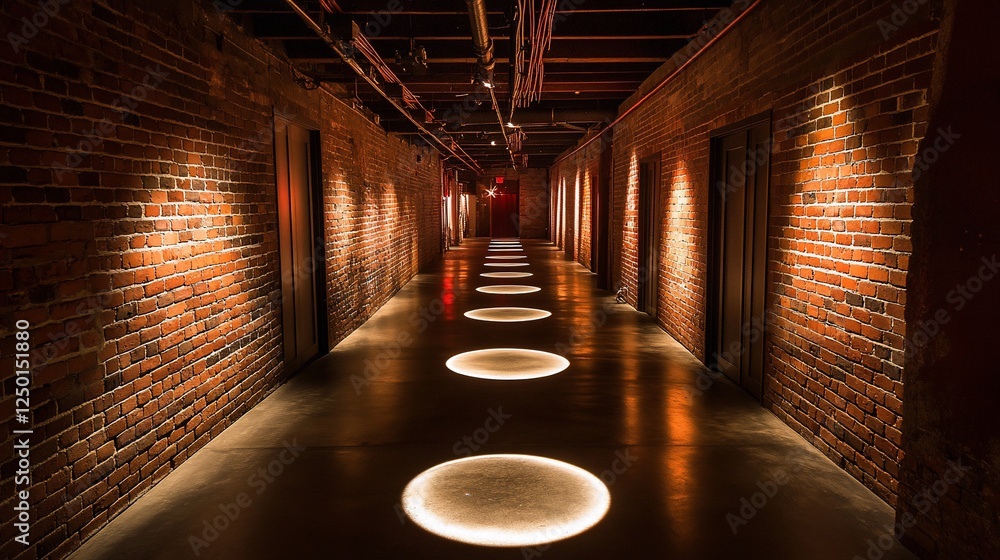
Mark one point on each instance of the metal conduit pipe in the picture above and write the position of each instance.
(481, 40)
(483, 45)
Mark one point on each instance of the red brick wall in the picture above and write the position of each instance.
(848, 107)
(146, 259)
(582, 166)
(949, 491)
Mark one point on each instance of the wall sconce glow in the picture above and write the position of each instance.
(508, 289)
(507, 257)
(507, 265)
(506, 274)
(506, 500)
(508, 314)
(507, 364)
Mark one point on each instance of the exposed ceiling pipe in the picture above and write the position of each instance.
(449, 146)
(481, 40)
(547, 116)
(483, 45)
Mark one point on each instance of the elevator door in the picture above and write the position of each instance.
(297, 239)
(739, 243)
(649, 238)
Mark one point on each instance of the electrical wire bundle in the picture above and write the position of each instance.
(533, 31)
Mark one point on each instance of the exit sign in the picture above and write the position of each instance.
(499, 180)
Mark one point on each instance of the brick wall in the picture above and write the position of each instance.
(949, 499)
(141, 244)
(848, 106)
(580, 172)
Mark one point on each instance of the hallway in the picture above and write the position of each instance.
(677, 454)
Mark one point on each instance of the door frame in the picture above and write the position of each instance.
(756, 212)
(648, 232)
(601, 241)
(318, 231)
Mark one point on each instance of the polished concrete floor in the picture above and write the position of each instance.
(692, 474)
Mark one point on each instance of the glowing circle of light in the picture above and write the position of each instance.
(505, 249)
(507, 257)
(508, 314)
(508, 289)
(506, 500)
(506, 274)
(507, 364)
(506, 265)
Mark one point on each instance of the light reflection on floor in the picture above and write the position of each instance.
(506, 500)
(507, 314)
(508, 265)
(506, 274)
(508, 289)
(508, 364)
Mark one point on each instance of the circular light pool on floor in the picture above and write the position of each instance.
(507, 257)
(504, 249)
(508, 314)
(506, 274)
(508, 289)
(506, 265)
(507, 364)
(506, 500)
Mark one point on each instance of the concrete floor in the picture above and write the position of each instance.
(691, 459)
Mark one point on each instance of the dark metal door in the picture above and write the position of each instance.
(738, 242)
(649, 240)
